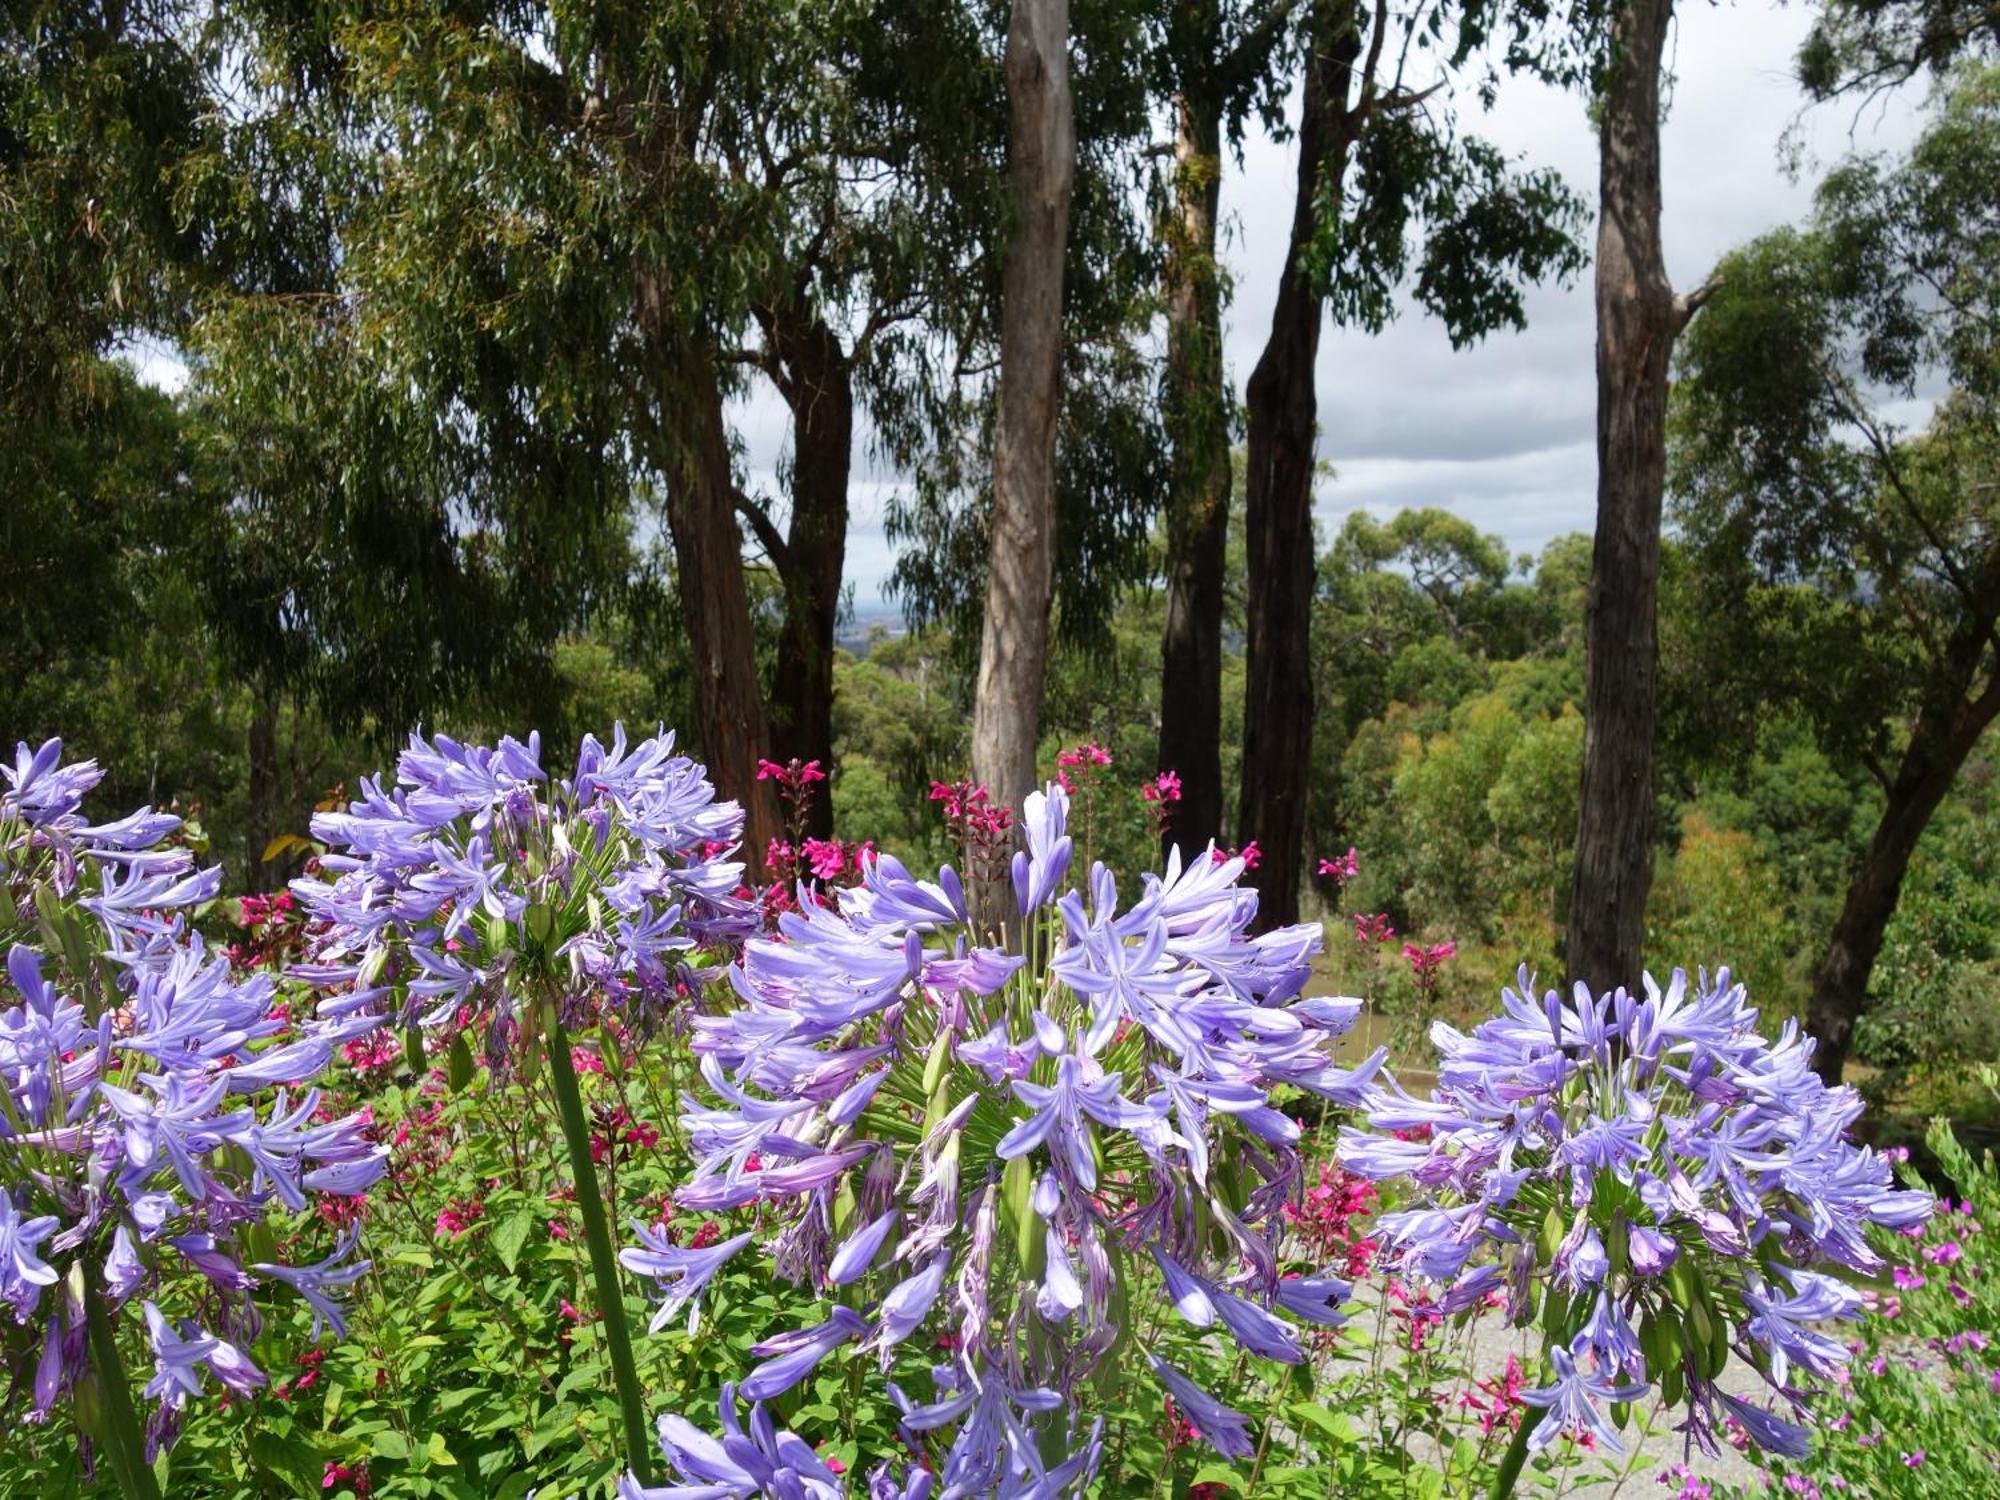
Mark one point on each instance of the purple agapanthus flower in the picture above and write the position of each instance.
(1004, 1152)
(476, 860)
(684, 1273)
(1650, 1159)
(158, 1103)
(1224, 1430)
(1576, 1403)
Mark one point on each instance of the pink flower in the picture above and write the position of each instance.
(1342, 868)
(1165, 787)
(459, 1215)
(826, 857)
(1692, 1486)
(342, 1474)
(1085, 755)
(1373, 928)
(1914, 1460)
(1250, 854)
(1944, 1255)
(1425, 961)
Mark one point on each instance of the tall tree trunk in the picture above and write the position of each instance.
(1197, 421)
(1283, 411)
(1041, 173)
(266, 794)
(1942, 737)
(818, 386)
(708, 568)
(1636, 324)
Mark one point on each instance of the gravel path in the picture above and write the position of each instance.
(1483, 1348)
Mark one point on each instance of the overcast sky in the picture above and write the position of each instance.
(1502, 433)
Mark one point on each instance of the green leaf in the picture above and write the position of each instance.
(1332, 1424)
(390, 1444)
(1222, 1474)
(459, 1066)
(511, 1235)
(286, 1458)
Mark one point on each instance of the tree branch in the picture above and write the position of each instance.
(1886, 456)
(765, 530)
(1687, 304)
(1239, 68)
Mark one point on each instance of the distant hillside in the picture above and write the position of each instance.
(858, 630)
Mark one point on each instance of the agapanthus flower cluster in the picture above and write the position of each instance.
(996, 1161)
(476, 862)
(155, 1110)
(1655, 1184)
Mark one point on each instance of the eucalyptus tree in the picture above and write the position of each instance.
(548, 284)
(1388, 191)
(120, 222)
(1020, 573)
(1095, 514)
(1856, 46)
(1638, 318)
(1862, 48)
(886, 179)
(101, 112)
(1851, 562)
(1216, 64)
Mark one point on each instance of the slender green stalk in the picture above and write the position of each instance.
(1516, 1455)
(603, 1256)
(123, 1437)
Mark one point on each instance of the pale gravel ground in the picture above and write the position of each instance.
(1483, 1349)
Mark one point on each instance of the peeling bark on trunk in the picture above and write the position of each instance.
(1197, 422)
(1636, 325)
(817, 384)
(1943, 736)
(1041, 171)
(708, 561)
(1283, 413)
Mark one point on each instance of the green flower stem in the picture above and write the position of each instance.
(123, 1438)
(1517, 1454)
(603, 1255)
